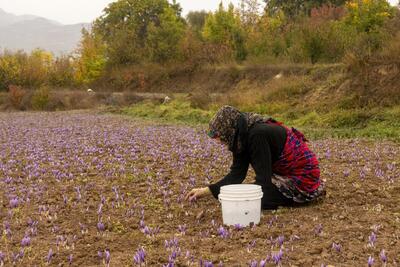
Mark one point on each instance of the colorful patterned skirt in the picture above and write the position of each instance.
(296, 173)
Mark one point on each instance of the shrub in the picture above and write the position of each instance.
(40, 98)
(16, 95)
(368, 15)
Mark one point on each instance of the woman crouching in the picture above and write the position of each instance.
(285, 168)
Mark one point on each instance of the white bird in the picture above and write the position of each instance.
(90, 90)
(278, 76)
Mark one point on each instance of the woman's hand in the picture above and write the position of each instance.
(197, 193)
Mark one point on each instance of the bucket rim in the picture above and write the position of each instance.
(241, 186)
(240, 198)
(241, 191)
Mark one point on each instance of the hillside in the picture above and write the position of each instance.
(28, 32)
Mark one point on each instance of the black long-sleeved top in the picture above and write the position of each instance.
(264, 144)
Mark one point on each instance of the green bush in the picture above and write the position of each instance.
(40, 98)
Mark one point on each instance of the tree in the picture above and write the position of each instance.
(196, 19)
(163, 39)
(125, 25)
(224, 28)
(250, 12)
(366, 15)
(296, 7)
(92, 60)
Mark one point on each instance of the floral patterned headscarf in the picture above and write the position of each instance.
(231, 126)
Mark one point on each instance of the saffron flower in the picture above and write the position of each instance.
(383, 256)
(238, 226)
(14, 202)
(140, 256)
(49, 256)
(222, 232)
(101, 227)
(107, 257)
(372, 239)
(70, 258)
(370, 261)
(26, 241)
(336, 246)
(182, 229)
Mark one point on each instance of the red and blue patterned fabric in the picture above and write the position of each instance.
(297, 173)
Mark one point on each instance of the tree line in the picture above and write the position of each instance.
(141, 32)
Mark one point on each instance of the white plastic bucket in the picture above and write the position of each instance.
(241, 204)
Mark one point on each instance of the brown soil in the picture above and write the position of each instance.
(151, 166)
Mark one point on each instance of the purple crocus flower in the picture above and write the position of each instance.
(187, 255)
(277, 257)
(383, 256)
(140, 256)
(253, 263)
(318, 229)
(263, 263)
(2, 258)
(251, 245)
(146, 230)
(101, 227)
(26, 241)
(208, 264)
(372, 239)
(100, 255)
(238, 226)
(49, 256)
(70, 258)
(65, 199)
(14, 202)
(336, 246)
(107, 257)
(280, 240)
(100, 209)
(173, 256)
(370, 261)
(182, 229)
(21, 253)
(223, 232)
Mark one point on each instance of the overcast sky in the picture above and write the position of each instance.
(75, 11)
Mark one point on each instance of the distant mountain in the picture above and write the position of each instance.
(28, 32)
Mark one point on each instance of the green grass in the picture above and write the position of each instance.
(177, 111)
(375, 123)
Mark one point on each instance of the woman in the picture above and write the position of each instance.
(285, 167)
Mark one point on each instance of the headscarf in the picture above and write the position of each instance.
(231, 126)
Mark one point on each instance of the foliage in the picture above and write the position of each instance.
(224, 28)
(91, 61)
(196, 20)
(40, 98)
(136, 31)
(177, 110)
(9, 69)
(133, 34)
(15, 96)
(368, 15)
(297, 7)
(163, 39)
(62, 72)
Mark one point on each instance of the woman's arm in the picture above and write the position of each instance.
(238, 172)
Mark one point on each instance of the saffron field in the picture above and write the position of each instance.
(89, 189)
